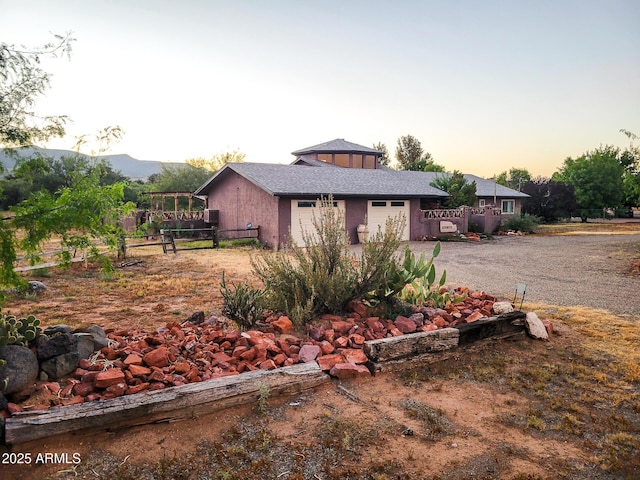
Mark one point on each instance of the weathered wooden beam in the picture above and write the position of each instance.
(416, 362)
(411, 345)
(161, 405)
(502, 326)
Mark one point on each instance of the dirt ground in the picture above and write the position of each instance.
(472, 416)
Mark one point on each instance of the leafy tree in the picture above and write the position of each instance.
(596, 177)
(515, 178)
(218, 161)
(548, 199)
(22, 81)
(78, 212)
(384, 159)
(461, 192)
(425, 166)
(40, 172)
(191, 175)
(178, 178)
(411, 156)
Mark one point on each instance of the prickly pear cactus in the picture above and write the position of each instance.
(21, 331)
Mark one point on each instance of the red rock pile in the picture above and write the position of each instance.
(178, 354)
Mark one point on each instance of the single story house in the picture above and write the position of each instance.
(282, 199)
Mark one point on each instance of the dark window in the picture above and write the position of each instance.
(397, 204)
(341, 159)
(370, 161)
(378, 204)
(306, 204)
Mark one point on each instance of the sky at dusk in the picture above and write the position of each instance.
(484, 85)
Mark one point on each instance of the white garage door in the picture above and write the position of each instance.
(379, 210)
(302, 213)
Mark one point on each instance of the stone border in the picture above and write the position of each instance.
(205, 397)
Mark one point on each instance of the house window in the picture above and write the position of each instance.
(397, 204)
(356, 161)
(325, 157)
(378, 204)
(306, 204)
(508, 206)
(429, 204)
(370, 161)
(342, 159)
(482, 203)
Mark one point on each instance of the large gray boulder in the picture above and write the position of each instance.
(58, 344)
(21, 369)
(86, 345)
(100, 339)
(60, 366)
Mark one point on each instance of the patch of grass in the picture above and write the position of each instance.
(41, 273)
(434, 422)
(345, 433)
(241, 242)
(263, 399)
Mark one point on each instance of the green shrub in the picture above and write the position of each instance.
(525, 223)
(324, 275)
(242, 302)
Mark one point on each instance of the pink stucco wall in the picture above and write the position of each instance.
(240, 202)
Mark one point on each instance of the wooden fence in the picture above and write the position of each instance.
(172, 239)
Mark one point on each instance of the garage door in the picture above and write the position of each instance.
(379, 210)
(302, 214)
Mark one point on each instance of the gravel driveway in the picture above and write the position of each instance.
(588, 270)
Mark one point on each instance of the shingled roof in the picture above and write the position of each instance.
(339, 145)
(308, 181)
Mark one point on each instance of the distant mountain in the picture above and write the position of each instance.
(127, 165)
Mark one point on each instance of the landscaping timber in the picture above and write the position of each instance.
(163, 405)
(411, 345)
(503, 326)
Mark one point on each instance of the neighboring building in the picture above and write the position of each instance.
(282, 199)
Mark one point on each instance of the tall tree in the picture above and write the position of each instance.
(385, 159)
(411, 156)
(217, 161)
(191, 175)
(548, 199)
(178, 178)
(76, 214)
(596, 177)
(460, 191)
(22, 81)
(515, 178)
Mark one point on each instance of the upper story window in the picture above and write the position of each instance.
(341, 159)
(370, 161)
(348, 160)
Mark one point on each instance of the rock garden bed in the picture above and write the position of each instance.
(123, 377)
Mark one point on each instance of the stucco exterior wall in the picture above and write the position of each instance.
(356, 212)
(240, 202)
(488, 202)
(487, 219)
